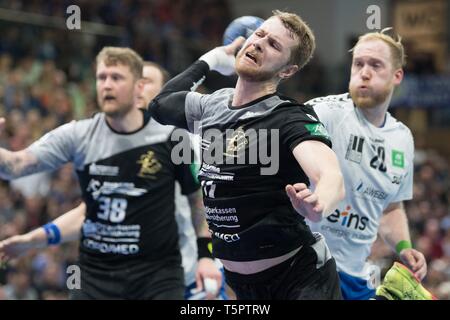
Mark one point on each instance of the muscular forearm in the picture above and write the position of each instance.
(168, 106)
(71, 222)
(17, 164)
(321, 166)
(330, 191)
(394, 227)
(69, 225)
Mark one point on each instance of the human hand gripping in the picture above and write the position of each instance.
(414, 260)
(222, 59)
(208, 277)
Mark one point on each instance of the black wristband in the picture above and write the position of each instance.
(203, 250)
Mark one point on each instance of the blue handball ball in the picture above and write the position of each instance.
(243, 26)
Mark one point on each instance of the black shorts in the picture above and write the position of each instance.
(161, 280)
(309, 275)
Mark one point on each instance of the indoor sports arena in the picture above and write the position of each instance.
(101, 199)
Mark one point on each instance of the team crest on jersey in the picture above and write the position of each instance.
(237, 142)
(355, 149)
(149, 165)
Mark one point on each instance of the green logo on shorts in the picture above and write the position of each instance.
(317, 129)
(398, 159)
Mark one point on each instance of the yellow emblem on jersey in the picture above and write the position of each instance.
(237, 142)
(149, 165)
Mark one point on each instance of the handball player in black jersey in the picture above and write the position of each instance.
(129, 240)
(266, 164)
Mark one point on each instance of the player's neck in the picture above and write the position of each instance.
(129, 122)
(376, 115)
(247, 91)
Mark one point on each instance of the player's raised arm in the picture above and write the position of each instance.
(167, 108)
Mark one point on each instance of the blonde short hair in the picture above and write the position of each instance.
(125, 56)
(395, 45)
(303, 52)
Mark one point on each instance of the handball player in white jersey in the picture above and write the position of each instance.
(375, 152)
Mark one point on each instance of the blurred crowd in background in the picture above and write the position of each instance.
(50, 81)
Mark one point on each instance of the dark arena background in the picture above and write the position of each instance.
(47, 78)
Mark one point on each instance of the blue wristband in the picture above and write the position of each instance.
(53, 233)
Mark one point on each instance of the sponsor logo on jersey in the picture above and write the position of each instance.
(348, 219)
(369, 192)
(96, 188)
(355, 149)
(398, 159)
(101, 170)
(213, 172)
(345, 233)
(377, 140)
(317, 129)
(227, 237)
(89, 228)
(112, 248)
(250, 114)
(397, 178)
(149, 165)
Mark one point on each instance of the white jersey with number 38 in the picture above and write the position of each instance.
(377, 164)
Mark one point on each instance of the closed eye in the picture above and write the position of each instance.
(358, 64)
(274, 44)
(376, 65)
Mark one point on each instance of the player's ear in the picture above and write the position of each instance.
(398, 76)
(288, 71)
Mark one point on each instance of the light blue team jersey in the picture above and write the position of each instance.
(377, 164)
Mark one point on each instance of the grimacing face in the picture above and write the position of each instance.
(373, 76)
(149, 86)
(115, 86)
(266, 53)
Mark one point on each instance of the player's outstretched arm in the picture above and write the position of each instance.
(165, 108)
(63, 229)
(16, 164)
(321, 166)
